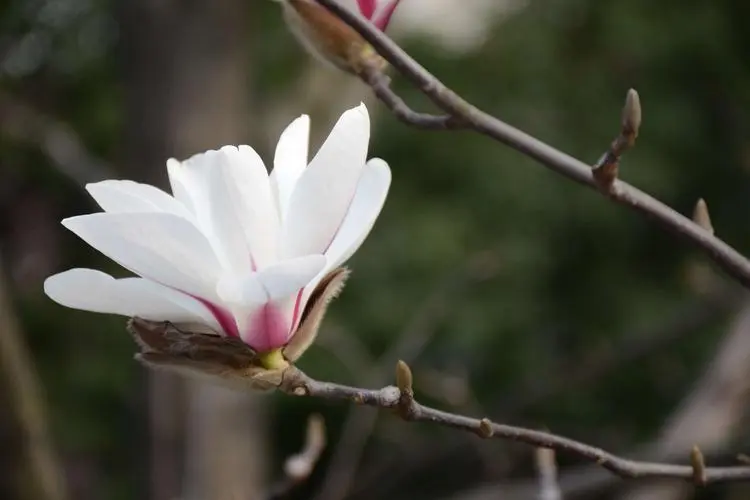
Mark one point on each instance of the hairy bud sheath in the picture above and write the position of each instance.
(328, 38)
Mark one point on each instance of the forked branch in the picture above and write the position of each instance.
(461, 113)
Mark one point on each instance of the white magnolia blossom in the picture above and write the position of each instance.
(233, 248)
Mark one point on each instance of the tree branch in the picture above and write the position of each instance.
(403, 403)
(726, 257)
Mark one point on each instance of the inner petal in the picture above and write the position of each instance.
(268, 328)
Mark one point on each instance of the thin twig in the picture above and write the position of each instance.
(297, 383)
(300, 466)
(381, 87)
(546, 465)
(25, 389)
(726, 257)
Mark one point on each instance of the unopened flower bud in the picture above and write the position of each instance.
(328, 38)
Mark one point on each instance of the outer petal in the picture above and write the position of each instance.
(323, 193)
(179, 183)
(96, 291)
(123, 196)
(189, 180)
(364, 210)
(290, 161)
(162, 247)
(264, 303)
(384, 18)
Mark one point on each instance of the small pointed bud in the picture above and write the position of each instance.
(485, 428)
(631, 115)
(328, 288)
(328, 38)
(699, 466)
(701, 217)
(404, 378)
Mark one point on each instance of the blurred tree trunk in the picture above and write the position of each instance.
(186, 72)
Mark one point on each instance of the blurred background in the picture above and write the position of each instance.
(512, 293)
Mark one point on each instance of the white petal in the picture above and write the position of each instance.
(96, 291)
(323, 193)
(162, 247)
(180, 191)
(189, 180)
(279, 281)
(364, 210)
(290, 160)
(243, 208)
(241, 292)
(288, 277)
(123, 196)
(226, 209)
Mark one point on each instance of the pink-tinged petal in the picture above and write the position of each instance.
(223, 317)
(162, 247)
(95, 291)
(290, 161)
(323, 193)
(123, 196)
(384, 18)
(276, 287)
(269, 328)
(366, 8)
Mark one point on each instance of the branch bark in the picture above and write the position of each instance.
(462, 113)
(403, 403)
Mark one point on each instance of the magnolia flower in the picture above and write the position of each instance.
(331, 40)
(249, 255)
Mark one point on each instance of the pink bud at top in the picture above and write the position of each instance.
(379, 12)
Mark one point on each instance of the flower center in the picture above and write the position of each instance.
(272, 360)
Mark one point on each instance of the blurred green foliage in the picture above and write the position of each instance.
(575, 271)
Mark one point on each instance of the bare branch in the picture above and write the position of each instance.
(297, 383)
(731, 261)
(381, 87)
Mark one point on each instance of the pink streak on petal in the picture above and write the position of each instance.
(366, 7)
(385, 18)
(268, 329)
(224, 317)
